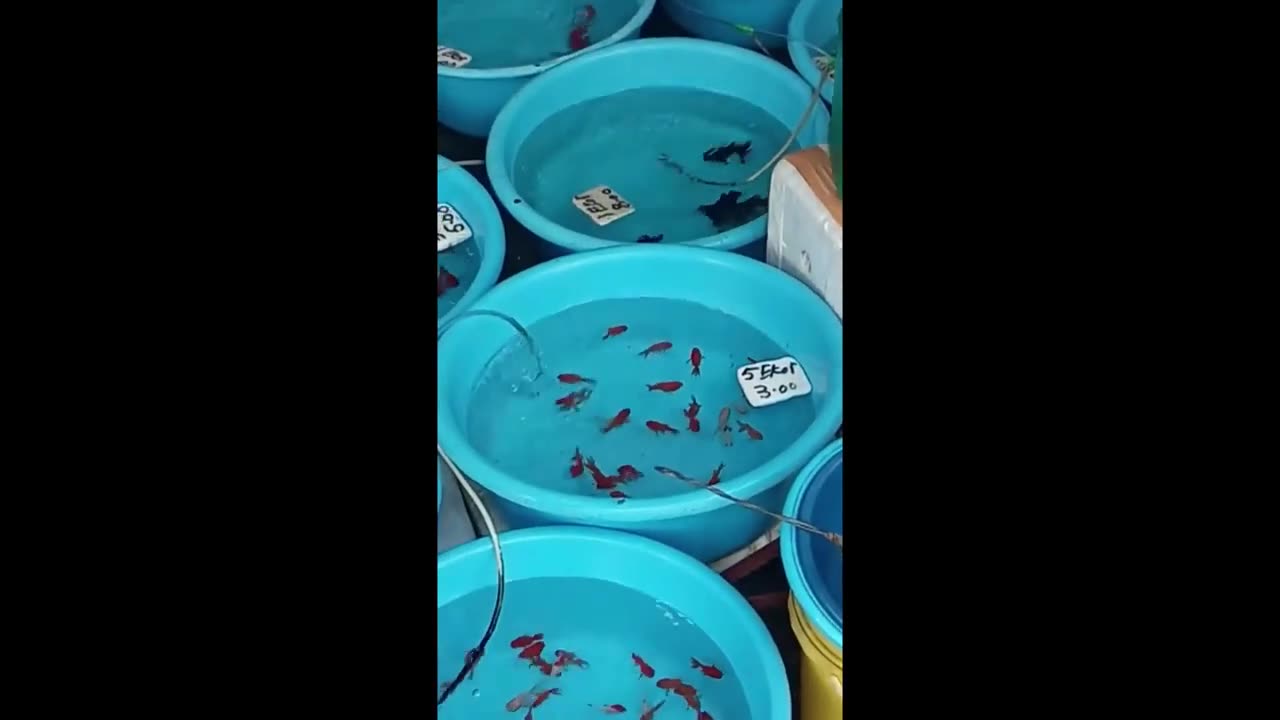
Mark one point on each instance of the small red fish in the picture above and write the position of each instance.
(588, 13)
(545, 667)
(686, 690)
(751, 432)
(542, 697)
(648, 712)
(445, 281)
(694, 425)
(690, 697)
(694, 407)
(645, 670)
(573, 399)
(614, 331)
(575, 470)
(669, 684)
(695, 359)
(723, 421)
(618, 420)
(533, 650)
(666, 386)
(524, 699)
(618, 495)
(608, 482)
(578, 38)
(710, 671)
(564, 657)
(660, 428)
(613, 709)
(715, 475)
(574, 379)
(704, 715)
(627, 473)
(655, 348)
(525, 640)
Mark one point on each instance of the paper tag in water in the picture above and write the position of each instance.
(826, 65)
(449, 57)
(770, 382)
(603, 205)
(451, 229)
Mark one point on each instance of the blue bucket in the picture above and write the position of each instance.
(814, 23)
(715, 19)
(657, 62)
(439, 488)
(458, 188)
(684, 597)
(468, 100)
(695, 522)
(815, 567)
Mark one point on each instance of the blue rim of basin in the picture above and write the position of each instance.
(799, 501)
(439, 487)
(801, 55)
(764, 279)
(472, 200)
(642, 14)
(762, 69)
(617, 550)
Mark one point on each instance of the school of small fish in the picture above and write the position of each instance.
(580, 464)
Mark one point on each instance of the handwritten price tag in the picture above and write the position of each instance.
(603, 205)
(826, 66)
(451, 229)
(773, 381)
(449, 57)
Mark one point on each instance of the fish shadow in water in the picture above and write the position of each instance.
(722, 153)
(650, 238)
(727, 213)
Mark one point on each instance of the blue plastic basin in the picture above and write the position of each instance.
(815, 567)
(439, 488)
(657, 62)
(695, 522)
(458, 188)
(814, 22)
(714, 19)
(674, 580)
(468, 100)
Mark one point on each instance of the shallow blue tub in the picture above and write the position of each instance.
(637, 64)
(815, 567)
(715, 19)
(608, 598)
(468, 98)
(691, 520)
(814, 23)
(478, 261)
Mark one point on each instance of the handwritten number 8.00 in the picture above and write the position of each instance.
(763, 392)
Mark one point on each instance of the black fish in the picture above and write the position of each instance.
(650, 238)
(727, 213)
(724, 152)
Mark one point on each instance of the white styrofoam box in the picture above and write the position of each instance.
(455, 526)
(805, 240)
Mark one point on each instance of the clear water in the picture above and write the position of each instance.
(603, 624)
(517, 425)
(463, 261)
(618, 140)
(511, 33)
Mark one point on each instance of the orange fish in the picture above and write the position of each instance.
(574, 379)
(575, 470)
(613, 709)
(524, 699)
(542, 697)
(686, 690)
(646, 712)
(645, 670)
(573, 399)
(669, 684)
(618, 420)
(445, 281)
(525, 640)
(667, 386)
(710, 671)
(618, 495)
(564, 657)
(694, 407)
(751, 432)
(690, 697)
(627, 473)
(694, 425)
(614, 331)
(545, 667)
(695, 359)
(723, 421)
(715, 475)
(533, 650)
(660, 428)
(655, 348)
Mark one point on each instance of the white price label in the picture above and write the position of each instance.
(451, 229)
(603, 205)
(449, 57)
(826, 65)
(770, 382)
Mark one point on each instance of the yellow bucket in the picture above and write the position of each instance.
(821, 670)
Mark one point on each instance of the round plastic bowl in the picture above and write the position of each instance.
(815, 567)
(658, 62)
(813, 22)
(698, 523)
(468, 100)
(667, 576)
(715, 19)
(458, 188)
